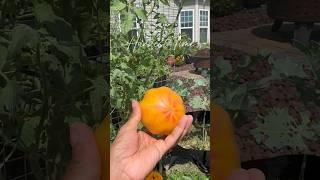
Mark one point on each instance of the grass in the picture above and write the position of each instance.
(185, 172)
(196, 139)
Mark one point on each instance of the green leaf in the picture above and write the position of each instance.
(141, 13)
(197, 102)
(28, 131)
(3, 56)
(97, 96)
(165, 2)
(22, 36)
(9, 96)
(200, 82)
(288, 67)
(245, 61)
(235, 98)
(55, 25)
(65, 52)
(127, 24)
(71, 119)
(161, 18)
(117, 5)
(279, 130)
(223, 65)
(301, 46)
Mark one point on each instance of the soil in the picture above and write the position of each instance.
(183, 67)
(242, 20)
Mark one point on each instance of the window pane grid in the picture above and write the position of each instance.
(204, 18)
(186, 19)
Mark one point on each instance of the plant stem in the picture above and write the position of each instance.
(45, 98)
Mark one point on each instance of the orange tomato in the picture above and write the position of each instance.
(101, 134)
(225, 151)
(154, 175)
(162, 109)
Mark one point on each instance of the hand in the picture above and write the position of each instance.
(135, 153)
(251, 174)
(85, 162)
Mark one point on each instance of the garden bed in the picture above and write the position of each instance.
(242, 20)
(283, 93)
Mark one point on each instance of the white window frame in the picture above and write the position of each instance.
(193, 18)
(208, 24)
(133, 28)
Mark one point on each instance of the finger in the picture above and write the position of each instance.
(256, 174)
(85, 162)
(135, 116)
(239, 174)
(172, 138)
(187, 128)
(160, 147)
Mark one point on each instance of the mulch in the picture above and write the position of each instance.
(243, 19)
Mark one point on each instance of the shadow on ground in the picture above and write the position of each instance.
(284, 34)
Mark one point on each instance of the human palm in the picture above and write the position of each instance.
(133, 154)
(136, 152)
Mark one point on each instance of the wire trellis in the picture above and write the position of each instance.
(116, 120)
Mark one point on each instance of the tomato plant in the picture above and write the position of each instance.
(47, 78)
(139, 56)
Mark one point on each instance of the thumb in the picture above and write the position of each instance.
(134, 118)
(85, 163)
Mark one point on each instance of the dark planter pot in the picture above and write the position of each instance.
(187, 59)
(286, 167)
(162, 81)
(201, 59)
(201, 62)
(180, 155)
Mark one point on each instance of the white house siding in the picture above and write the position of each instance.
(196, 6)
(172, 10)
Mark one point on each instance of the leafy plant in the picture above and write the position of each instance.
(46, 78)
(225, 7)
(281, 130)
(139, 59)
(278, 128)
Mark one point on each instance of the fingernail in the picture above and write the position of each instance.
(74, 134)
(133, 103)
(184, 118)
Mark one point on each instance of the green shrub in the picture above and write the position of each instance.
(252, 3)
(225, 7)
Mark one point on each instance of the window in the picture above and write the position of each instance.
(186, 23)
(135, 26)
(134, 32)
(204, 25)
